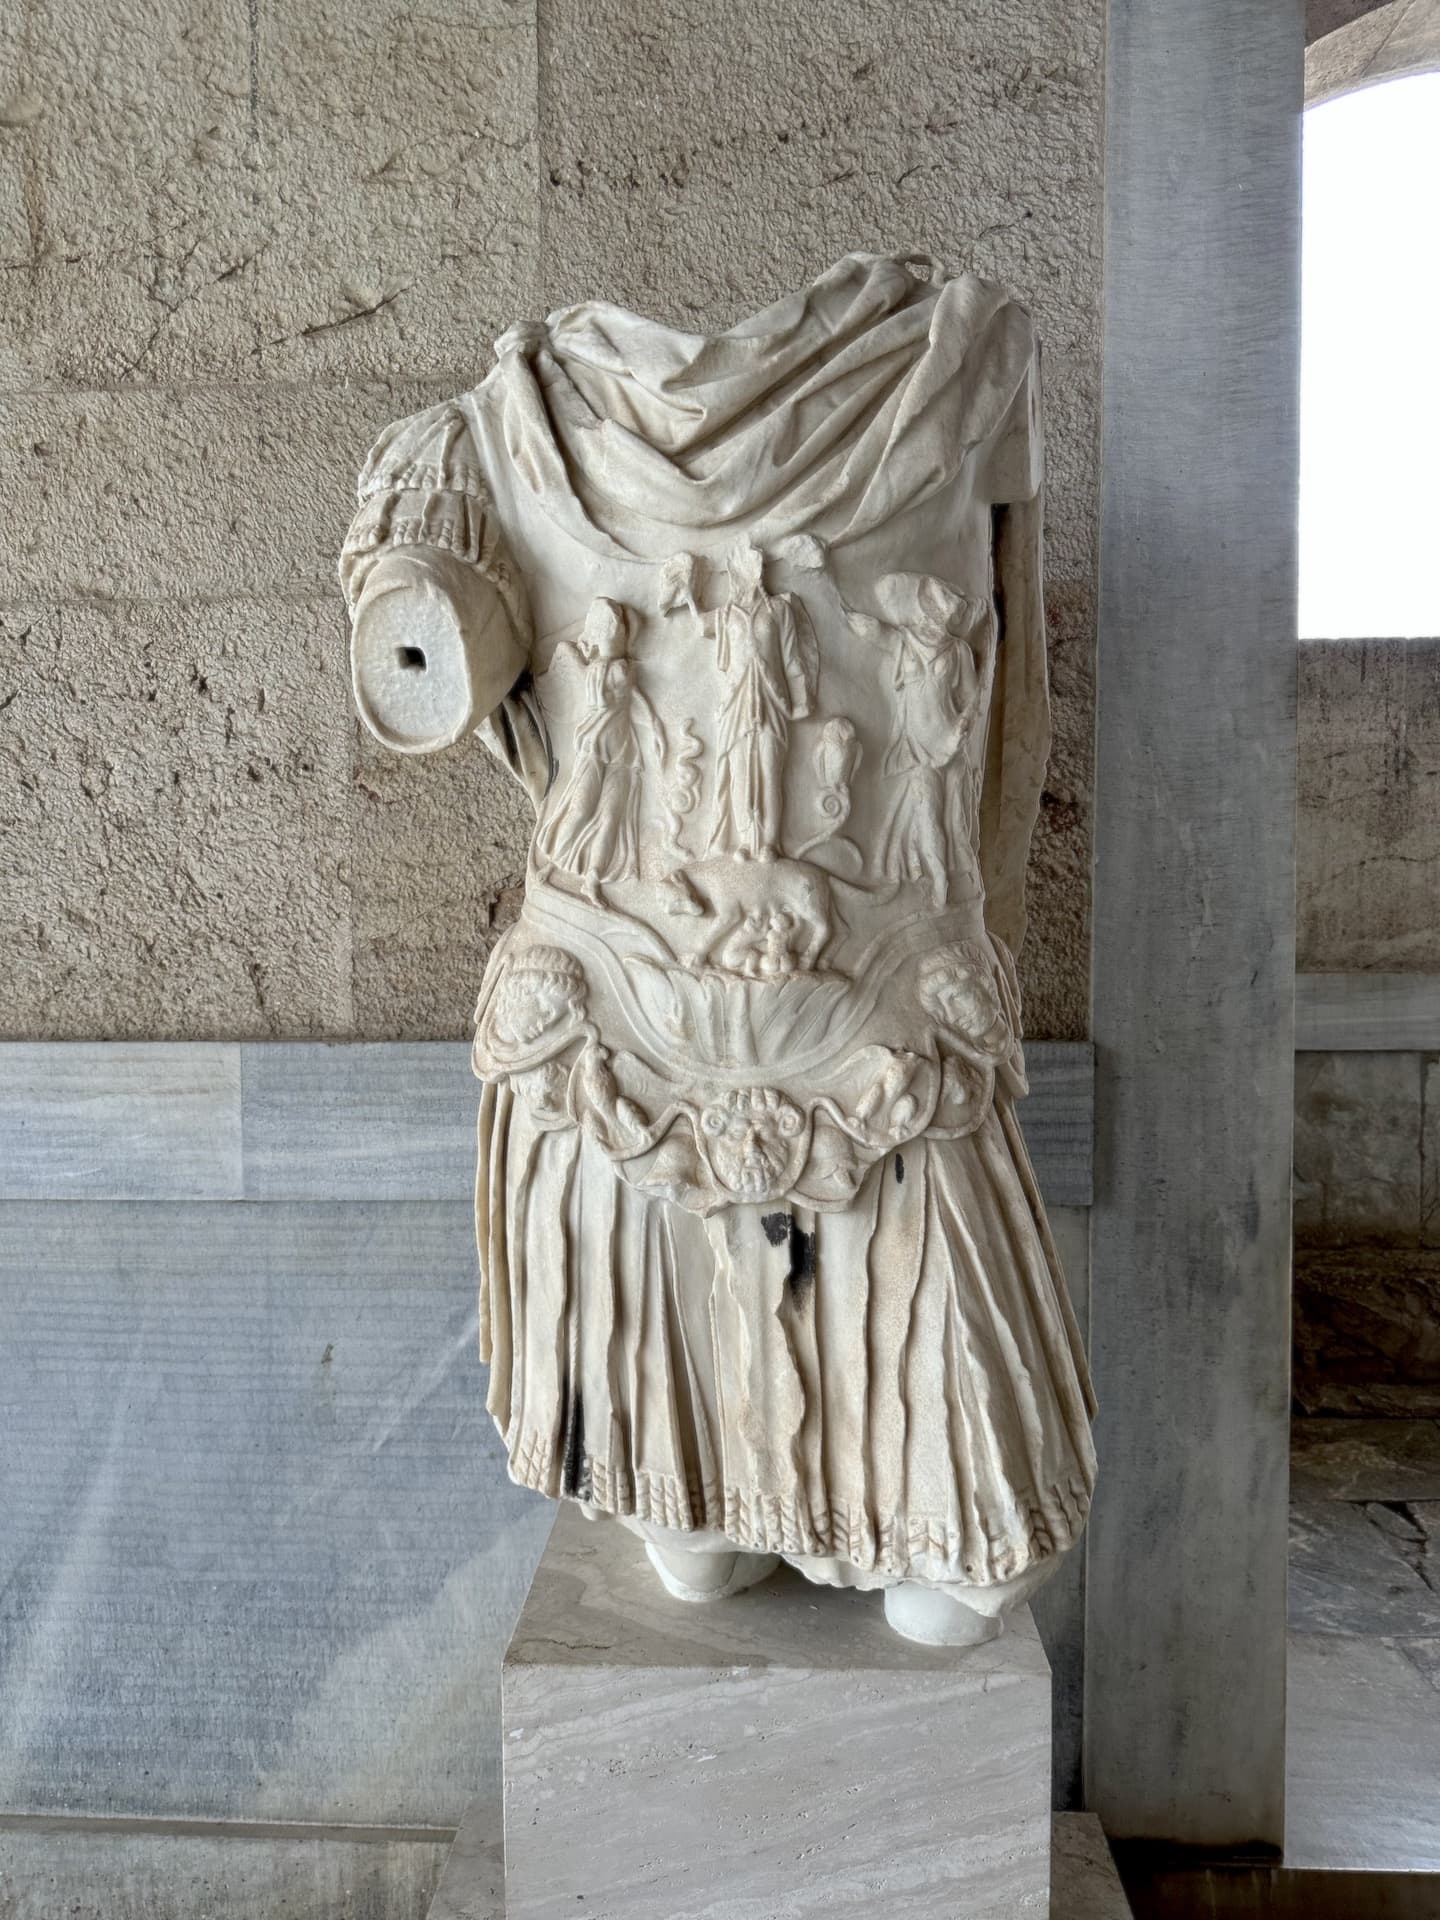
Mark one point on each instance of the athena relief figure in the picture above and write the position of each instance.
(755, 619)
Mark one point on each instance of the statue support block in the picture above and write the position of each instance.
(778, 1753)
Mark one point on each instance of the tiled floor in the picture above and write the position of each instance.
(1363, 1769)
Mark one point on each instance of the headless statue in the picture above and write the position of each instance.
(755, 619)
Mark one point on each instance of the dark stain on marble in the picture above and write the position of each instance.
(777, 1228)
(802, 1261)
(575, 1463)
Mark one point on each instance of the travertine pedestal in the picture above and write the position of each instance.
(776, 1755)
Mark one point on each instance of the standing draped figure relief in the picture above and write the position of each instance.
(756, 620)
(593, 828)
(766, 651)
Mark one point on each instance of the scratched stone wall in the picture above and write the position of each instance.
(236, 236)
(1368, 821)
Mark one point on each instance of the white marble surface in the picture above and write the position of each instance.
(757, 1022)
(1084, 1884)
(776, 1756)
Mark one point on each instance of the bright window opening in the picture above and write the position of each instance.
(1370, 366)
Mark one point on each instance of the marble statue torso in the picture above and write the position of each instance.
(775, 602)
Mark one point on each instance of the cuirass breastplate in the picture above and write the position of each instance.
(783, 722)
(753, 956)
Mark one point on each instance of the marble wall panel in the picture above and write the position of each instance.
(106, 1872)
(1367, 1012)
(119, 1121)
(261, 1556)
(394, 1120)
(364, 1122)
(1367, 850)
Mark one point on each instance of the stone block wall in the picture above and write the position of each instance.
(1367, 1124)
(1367, 1233)
(1368, 826)
(236, 238)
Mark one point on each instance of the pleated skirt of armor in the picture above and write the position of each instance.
(896, 1391)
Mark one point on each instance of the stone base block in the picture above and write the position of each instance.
(1084, 1883)
(773, 1756)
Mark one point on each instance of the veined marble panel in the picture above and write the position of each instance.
(1084, 1883)
(119, 1120)
(1059, 1120)
(114, 1870)
(1367, 1012)
(260, 1555)
(385, 1121)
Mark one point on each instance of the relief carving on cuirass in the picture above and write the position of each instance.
(941, 642)
(591, 827)
(772, 1003)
